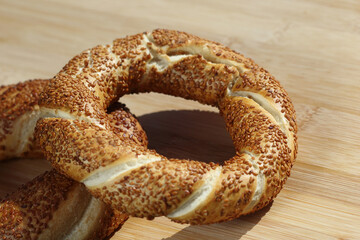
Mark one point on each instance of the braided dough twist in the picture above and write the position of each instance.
(258, 113)
(52, 206)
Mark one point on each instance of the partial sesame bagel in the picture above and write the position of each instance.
(55, 207)
(131, 178)
(18, 116)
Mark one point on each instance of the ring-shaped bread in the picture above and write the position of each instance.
(257, 111)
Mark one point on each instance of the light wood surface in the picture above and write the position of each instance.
(312, 47)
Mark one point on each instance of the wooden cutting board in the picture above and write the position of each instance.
(312, 47)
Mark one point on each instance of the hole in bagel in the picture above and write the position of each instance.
(196, 133)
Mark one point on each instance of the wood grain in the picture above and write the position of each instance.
(312, 47)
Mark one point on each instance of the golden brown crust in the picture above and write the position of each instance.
(122, 63)
(232, 193)
(206, 83)
(83, 141)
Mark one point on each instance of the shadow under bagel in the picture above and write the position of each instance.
(188, 134)
(239, 227)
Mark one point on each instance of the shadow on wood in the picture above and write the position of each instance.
(237, 227)
(186, 134)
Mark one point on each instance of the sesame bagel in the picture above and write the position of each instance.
(131, 178)
(52, 206)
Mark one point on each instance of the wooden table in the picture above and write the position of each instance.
(312, 47)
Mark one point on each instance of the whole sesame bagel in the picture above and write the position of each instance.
(52, 206)
(258, 113)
